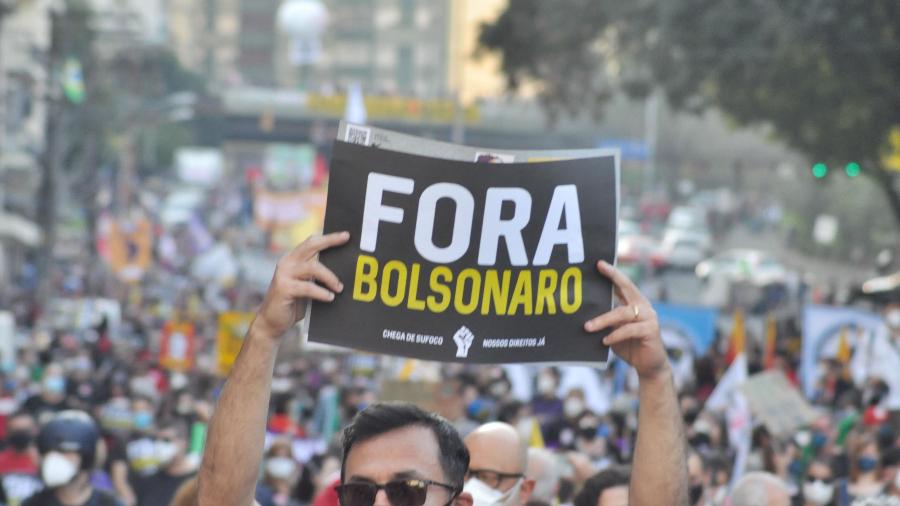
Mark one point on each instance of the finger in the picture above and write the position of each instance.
(315, 270)
(629, 332)
(314, 244)
(309, 290)
(618, 316)
(621, 281)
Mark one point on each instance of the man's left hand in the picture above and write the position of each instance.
(635, 336)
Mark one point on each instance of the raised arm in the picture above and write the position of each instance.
(659, 472)
(234, 447)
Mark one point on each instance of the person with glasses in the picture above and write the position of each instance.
(498, 461)
(403, 465)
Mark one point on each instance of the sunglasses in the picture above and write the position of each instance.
(492, 478)
(399, 492)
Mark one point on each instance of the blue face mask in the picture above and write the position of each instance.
(819, 440)
(55, 385)
(603, 431)
(867, 464)
(143, 420)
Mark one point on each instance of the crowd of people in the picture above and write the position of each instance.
(92, 416)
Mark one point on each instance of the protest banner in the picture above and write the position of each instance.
(233, 327)
(693, 327)
(687, 332)
(451, 261)
(177, 347)
(127, 245)
(822, 328)
(776, 404)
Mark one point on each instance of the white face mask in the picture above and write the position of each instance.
(483, 495)
(281, 468)
(893, 319)
(57, 470)
(165, 452)
(546, 384)
(573, 407)
(817, 492)
(897, 480)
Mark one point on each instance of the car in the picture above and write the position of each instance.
(751, 266)
(699, 236)
(680, 251)
(687, 218)
(636, 249)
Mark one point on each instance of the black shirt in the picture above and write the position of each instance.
(47, 497)
(158, 489)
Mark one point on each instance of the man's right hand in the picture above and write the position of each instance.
(294, 283)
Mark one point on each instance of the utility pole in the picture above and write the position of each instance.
(5, 10)
(47, 192)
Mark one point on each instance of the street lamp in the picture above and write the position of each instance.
(304, 22)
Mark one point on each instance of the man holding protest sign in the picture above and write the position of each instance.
(413, 461)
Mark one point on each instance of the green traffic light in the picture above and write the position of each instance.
(853, 169)
(820, 170)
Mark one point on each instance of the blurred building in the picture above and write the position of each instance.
(126, 23)
(473, 75)
(389, 47)
(204, 34)
(24, 39)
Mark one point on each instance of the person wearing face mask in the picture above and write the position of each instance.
(279, 476)
(68, 446)
(498, 461)
(818, 487)
(547, 406)
(864, 469)
(175, 468)
(19, 461)
(20, 455)
(141, 448)
(52, 398)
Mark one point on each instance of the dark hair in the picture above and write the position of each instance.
(595, 485)
(509, 411)
(384, 417)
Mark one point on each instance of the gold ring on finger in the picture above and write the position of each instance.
(637, 311)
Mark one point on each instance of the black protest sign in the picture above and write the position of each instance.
(467, 262)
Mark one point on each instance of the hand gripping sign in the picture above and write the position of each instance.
(458, 261)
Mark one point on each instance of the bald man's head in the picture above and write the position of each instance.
(500, 446)
(499, 458)
(760, 489)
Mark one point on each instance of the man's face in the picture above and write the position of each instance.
(615, 496)
(401, 454)
(493, 457)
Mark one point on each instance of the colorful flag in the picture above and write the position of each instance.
(176, 349)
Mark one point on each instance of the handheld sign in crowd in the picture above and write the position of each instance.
(461, 261)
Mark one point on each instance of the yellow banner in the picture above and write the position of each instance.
(397, 108)
(233, 327)
(891, 158)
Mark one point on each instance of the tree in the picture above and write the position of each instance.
(823, 74)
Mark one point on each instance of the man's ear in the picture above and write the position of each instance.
(464, 499)
(526, 490)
